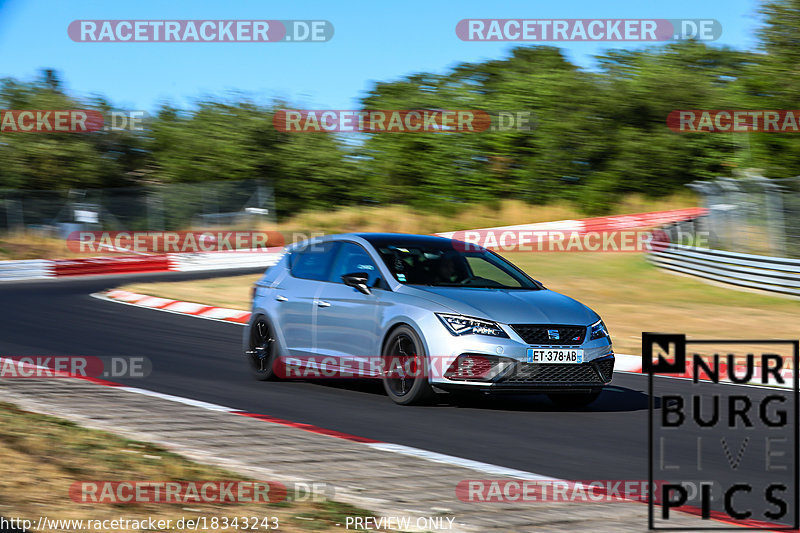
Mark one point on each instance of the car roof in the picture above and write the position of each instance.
(382, 239)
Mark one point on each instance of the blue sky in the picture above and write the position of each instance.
(374, 41)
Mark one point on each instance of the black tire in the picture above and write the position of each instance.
(263, 350)
(403, 345)
(574, 400)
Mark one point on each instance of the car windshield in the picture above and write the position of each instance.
(443, 265)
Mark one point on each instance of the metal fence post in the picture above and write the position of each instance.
(776, 227)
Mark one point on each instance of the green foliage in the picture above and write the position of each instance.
(597, 136)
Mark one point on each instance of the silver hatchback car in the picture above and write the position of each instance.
(425, 315)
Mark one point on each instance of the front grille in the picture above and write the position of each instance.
(595, 373)
(606, 368)
(545, 333)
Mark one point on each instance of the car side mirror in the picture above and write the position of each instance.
(357, 280)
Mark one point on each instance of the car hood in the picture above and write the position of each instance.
(511, 306)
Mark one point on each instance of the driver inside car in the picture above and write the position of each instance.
(448, 272)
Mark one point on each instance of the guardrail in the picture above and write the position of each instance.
(599, 224)
(27, 269)
(111, 265)
(774, 274)
(223, 260)
(88, 266)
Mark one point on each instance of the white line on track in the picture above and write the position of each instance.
(478, 466)
(179, 399)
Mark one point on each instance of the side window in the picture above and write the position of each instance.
(313, 261)
(353, 258)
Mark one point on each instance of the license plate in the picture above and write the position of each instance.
(555, 356)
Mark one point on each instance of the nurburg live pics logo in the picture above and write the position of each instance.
(724, 452)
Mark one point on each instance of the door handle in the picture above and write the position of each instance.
(282, 298)
(320, 303)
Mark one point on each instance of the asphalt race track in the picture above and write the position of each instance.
(202, 359)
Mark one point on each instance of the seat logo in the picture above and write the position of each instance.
(552, 334)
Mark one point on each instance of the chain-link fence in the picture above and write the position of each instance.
(752, 215)
(181, 206)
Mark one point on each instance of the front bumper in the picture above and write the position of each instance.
(533, 377)
(597, 372)
(517, 374)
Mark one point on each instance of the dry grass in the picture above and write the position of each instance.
(31, 245)
(631, 295)
(42, 456)
(232, 291)
(506, 213)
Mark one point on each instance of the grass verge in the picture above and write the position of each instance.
(41, 456)
(31, 245)
(505, 213)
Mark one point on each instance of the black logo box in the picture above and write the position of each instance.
(678, 366)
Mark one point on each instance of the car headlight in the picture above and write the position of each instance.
(598, 331)
(467, 325)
